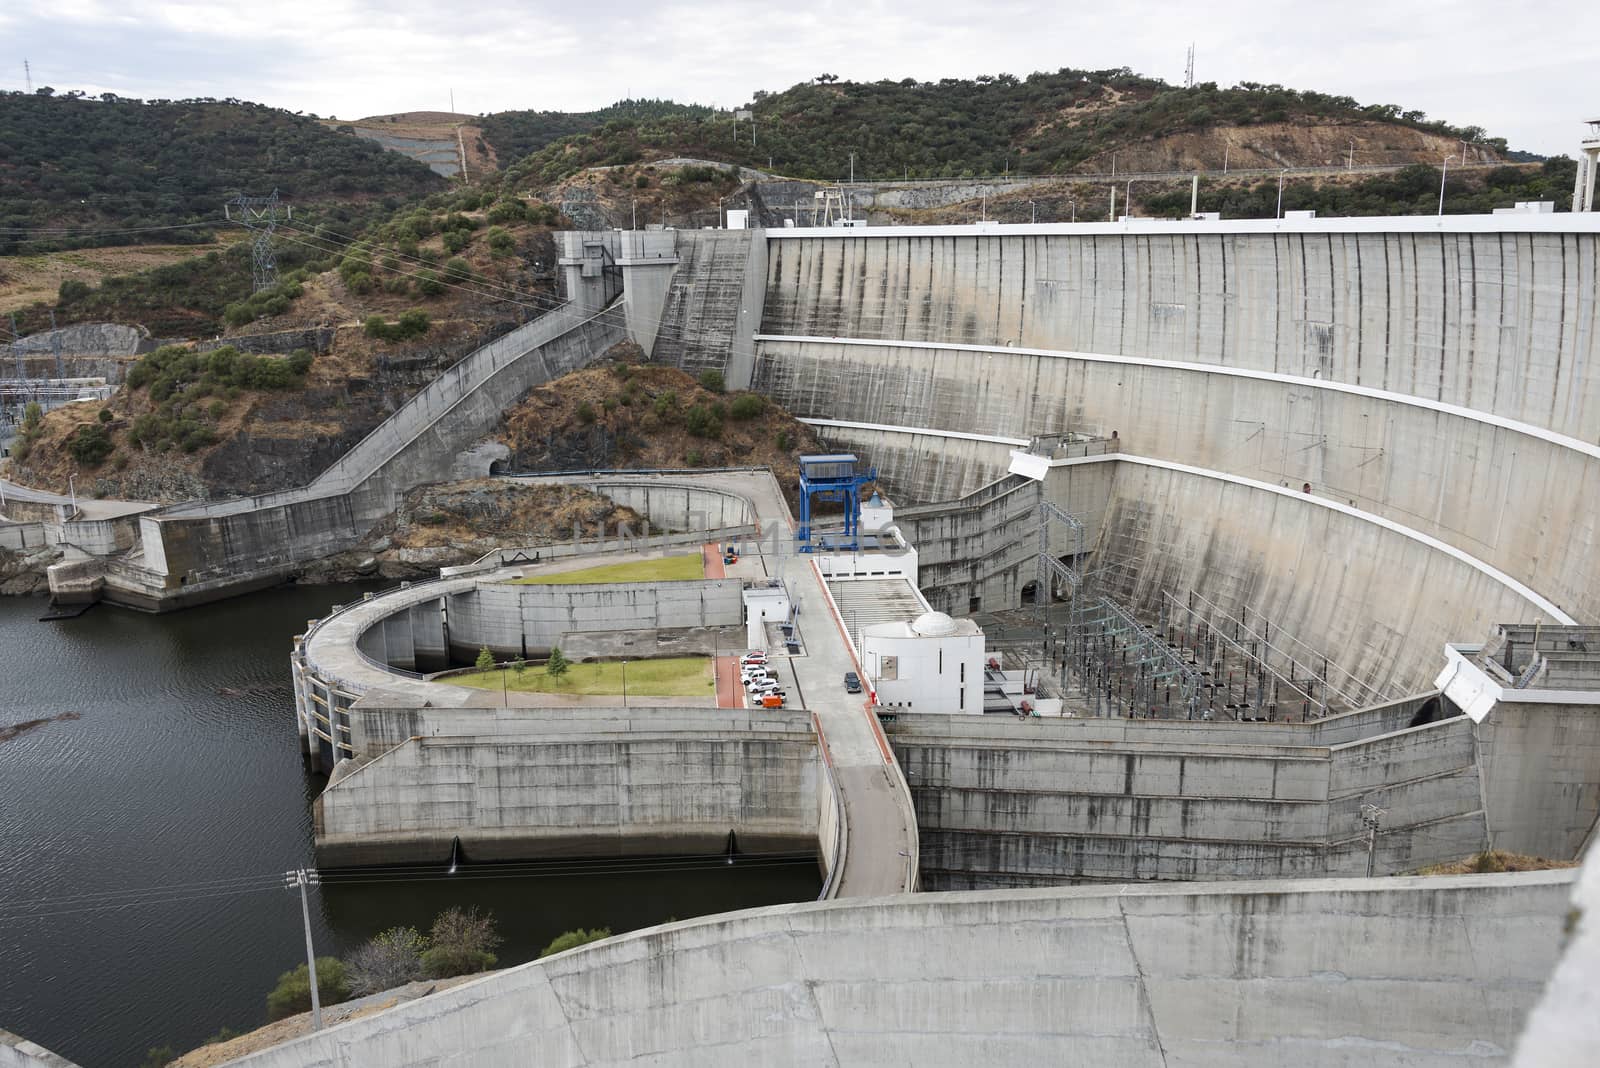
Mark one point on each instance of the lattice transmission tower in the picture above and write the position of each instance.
(259, 215)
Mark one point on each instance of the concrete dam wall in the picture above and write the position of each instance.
(1416, 972)
(1431, 378)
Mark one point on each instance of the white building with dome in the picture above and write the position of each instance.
(931, 664)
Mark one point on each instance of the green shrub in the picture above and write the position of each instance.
(32, 418)
(666, 404)
(459, 270)
(712, 380)
(573, 939)
(105, 415)
(428, 283)
(292, 995)
(746, 406)
(506, 211)
(456, 240)
(501, 243)
(73, 290)
(485, 661)
(460, 943)
(413, 323)
(90, 444)
(586, 413)
(784, 441)
(702, 422)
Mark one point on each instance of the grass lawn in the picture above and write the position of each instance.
(666, 569)
(681, 676)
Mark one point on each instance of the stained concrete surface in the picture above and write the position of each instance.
(1413, 972)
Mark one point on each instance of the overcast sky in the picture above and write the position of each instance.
(1529, 72)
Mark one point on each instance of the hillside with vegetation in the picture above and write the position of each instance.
(389, 312)
(76, 166)
(1061, 122)
(514, 134)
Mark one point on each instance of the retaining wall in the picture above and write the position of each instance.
(622, 783)
(1007, 802)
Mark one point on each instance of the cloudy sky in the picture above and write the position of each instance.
(1529, 71)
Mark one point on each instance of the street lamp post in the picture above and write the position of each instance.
(624, 684)
(1350, 161)
(1280, 190)
(1033, 212)
(1444, 172)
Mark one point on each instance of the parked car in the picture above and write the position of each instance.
(852, 682)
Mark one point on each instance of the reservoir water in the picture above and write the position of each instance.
(145, 827)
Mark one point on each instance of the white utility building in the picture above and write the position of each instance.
(933, 663)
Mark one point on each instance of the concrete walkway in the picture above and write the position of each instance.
(881, 829)
(88, 507)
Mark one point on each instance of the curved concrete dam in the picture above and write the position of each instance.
(1416, 972)
(1378, 433)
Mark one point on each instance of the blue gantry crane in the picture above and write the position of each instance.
(832, 477)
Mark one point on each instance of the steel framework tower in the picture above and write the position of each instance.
(259, 215)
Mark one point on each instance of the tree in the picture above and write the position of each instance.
(557, 665)
(292, 995)
(573, 939)
(485, 660)
(519, 665)
(460, 943)
(387, 960)
(32, 416)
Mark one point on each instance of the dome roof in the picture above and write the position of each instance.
(934, 624)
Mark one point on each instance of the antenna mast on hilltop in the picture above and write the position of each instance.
(259, 215)
(27, 74)
(1188, 70)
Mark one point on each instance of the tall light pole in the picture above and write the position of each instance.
(1225, 150)
(1444, 172)
(1033, 212)
(1350, 161)
(624, 684)
(302, 878)
(1280, 191)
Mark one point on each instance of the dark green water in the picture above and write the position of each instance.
(141, 844)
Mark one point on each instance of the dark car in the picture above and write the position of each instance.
(852, 683)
